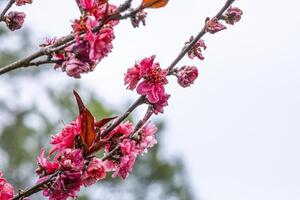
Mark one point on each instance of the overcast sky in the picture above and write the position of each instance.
(238, 127)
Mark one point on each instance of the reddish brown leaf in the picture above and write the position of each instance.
(155, 3)
(87, 132)
(102, 122)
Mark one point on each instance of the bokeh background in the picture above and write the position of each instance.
(234, 135)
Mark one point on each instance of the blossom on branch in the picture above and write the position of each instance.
(233, 15)
(213, 25)
(94, 172)
(187, 75)
(149, 79)
(14, 20)
(196, 50)
(6, 189)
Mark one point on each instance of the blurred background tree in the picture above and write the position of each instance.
(32, 108)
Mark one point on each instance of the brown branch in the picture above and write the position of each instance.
(80, 7)
(7, 7)
(36, 188)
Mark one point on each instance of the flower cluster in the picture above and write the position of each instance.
(6, 189)
(74, 163)
(94, 35)
(149, 79)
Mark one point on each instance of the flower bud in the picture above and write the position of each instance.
(213, 25)
(14, 20)
(187, 75)
(233, 15)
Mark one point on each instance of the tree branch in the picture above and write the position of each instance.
(80, 7)
(7, 7)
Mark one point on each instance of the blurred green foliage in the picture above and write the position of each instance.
(25, 127)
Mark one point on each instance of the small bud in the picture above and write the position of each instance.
(14, 20)
(23, 2)
(196, 50)
(187, 75)
(233, 15)
(213, 25)
(138, 18)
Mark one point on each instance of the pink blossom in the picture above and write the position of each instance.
(147, 138)
(125, 167)
(154, 79)
(196, 50)
(6, 189)
(68, 181)
(66, 185)
(158, 107)
(66, 138)
(102, 44)
(153, 91)
(70, 159)
(187, 75)
(233, 15)
(132, 77)
(105, 10)
(14, 20)
(122, 130)
(75, 67)
(213, 25)
(128, 147)
(45, 166)
(94, 172)
(87, 4)
(23, 2)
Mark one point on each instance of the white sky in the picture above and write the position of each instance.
(238, 126)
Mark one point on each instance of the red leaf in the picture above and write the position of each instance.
(102, 122)
(87, 131)
(155, 3)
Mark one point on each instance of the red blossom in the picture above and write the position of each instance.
(6, 189)
(187, 75)
(147, 138)
(45, 166)
(125, 167)
(95, 171)
(213, 25)
(66, 138)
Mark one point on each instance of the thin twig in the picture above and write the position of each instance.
(80, 7)
(36, 188)
(7, 7)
